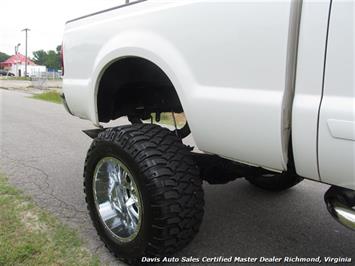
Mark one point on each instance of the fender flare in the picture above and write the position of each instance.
(148, 46)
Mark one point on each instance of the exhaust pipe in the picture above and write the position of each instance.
(341, 205)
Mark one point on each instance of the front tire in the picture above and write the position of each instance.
(158, 207)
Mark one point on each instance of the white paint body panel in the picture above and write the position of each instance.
(226, 59)
(232, 64)
(309, 82)
(337, 114)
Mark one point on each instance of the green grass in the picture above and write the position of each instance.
(31, 236)
(50, 96)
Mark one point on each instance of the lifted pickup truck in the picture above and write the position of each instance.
(267, 88)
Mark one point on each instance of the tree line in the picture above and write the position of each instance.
(50, 58)
(3, 57)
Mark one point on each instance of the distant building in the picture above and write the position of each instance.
(16, 64)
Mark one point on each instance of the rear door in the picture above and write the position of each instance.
(336, 132)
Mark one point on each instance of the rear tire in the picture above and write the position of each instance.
(275, 182)
(169, 190)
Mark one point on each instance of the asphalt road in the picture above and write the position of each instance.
(42, 151)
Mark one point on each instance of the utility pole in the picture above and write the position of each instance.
(17, 61)
(26, 30)
(16, 48)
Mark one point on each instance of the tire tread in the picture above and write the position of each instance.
(172, 179)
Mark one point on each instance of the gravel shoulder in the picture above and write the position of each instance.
(26, 85)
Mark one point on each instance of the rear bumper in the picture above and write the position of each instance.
(65, 103)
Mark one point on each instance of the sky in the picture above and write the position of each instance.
(45, 18)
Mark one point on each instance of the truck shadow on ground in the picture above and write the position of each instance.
(242, 220)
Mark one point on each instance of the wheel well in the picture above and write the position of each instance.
(135, 87)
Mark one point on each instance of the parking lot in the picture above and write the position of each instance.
(43, 151)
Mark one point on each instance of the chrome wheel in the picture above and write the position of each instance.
(117, 199)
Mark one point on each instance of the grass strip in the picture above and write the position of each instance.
(50, 96)
(31, 236)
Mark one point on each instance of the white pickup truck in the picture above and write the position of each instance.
(267, 88)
